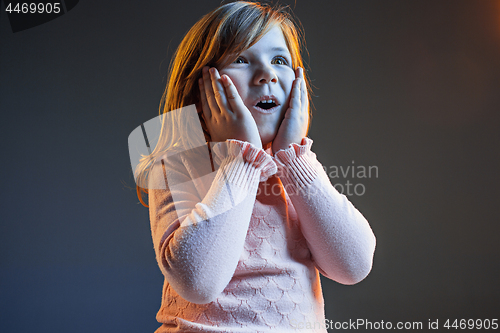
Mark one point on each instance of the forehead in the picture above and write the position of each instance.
(272, 41)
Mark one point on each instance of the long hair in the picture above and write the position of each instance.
(215, 40)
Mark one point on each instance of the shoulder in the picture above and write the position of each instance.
(178, 164)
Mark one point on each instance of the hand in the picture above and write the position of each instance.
(225, 114)
(294, 125)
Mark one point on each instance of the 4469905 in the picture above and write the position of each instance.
(471, 324)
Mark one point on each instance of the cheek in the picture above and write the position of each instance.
(239, 86)
(287, 83)
(237, 80)
(287, 88)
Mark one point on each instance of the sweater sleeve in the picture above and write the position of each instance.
(199, 222)
(339, 237)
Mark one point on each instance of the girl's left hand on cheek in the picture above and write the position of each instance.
(294, 125)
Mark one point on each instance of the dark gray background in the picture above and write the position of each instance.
(412, 87)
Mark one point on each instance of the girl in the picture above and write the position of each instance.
(241, 232)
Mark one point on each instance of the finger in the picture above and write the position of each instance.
(304, 98)
(209, 92)
(218, 88)
(303, 91)
(203, 99)
(294, 106)
(233, 97)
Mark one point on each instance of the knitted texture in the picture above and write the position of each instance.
(237, 253)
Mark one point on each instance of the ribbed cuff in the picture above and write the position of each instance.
(242, 159)
(295, 165)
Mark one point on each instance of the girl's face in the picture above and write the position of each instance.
(264, 73)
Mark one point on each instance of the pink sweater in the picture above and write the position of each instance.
(241, 254)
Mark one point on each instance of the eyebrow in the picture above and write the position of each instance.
(279, 49)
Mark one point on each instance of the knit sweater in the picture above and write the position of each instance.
(241, 247)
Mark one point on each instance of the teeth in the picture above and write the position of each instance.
(268, 101)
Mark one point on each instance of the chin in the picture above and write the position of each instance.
(267, 140)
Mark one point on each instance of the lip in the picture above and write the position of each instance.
(267, 111)
(265, 98)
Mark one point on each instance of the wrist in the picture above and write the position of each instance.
(283, 146)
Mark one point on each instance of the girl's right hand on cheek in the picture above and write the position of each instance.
(225, 114)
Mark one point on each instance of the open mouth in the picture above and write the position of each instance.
(266, 105)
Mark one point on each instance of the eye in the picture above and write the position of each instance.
(239, 60)
(279, 60)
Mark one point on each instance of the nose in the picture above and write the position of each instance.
(265, 74)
